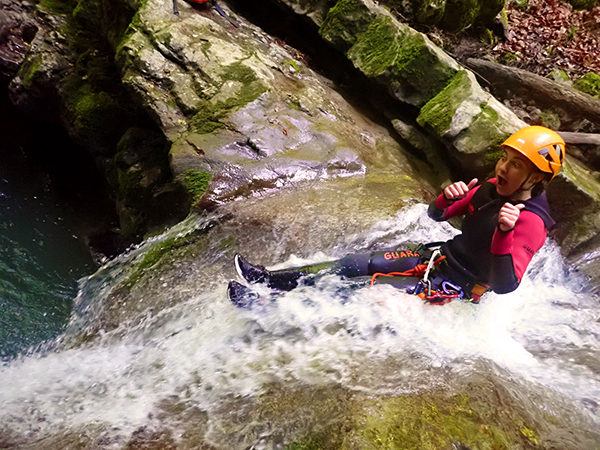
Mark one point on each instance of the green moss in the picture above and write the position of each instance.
(509, 58)
(295, 103)
(29, 71)
(484, 136)
(206, 120)
(209, 116)
(385, 47)
(196, 183)
(293, 64)
(59, 6)
(343, 22)
(429, 12)
(152, 257)
(238, 71)
(377, 48)
(437, 114)
(459, 14)
(559, 75)
(312, 443)
(163, 252)
(581, 177)
(550, 119)
(492, 157)
(589, 83)
(420, 67)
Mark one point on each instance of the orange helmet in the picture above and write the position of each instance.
(540, 145)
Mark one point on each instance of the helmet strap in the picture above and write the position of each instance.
(522, 188)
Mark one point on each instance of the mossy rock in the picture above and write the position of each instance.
(550, 119)
(141, 176)
(429, 12)
(59, 6)
(438, 113)
(431, 420)
(488, 10)
(402, 57)
(589, 83)
(484, 137)
(29, 72)
(343, 22)
(248, 87)
(195, 182)
(459, 14)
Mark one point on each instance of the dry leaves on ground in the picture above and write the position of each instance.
(549, 35)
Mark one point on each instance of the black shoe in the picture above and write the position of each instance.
(242, 296)
(250, 273)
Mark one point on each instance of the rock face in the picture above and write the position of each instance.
(197, 109)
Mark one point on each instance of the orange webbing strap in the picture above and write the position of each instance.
(418, 271)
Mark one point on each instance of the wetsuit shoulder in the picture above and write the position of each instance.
(539, 206)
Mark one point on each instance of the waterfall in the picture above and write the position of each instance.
(206, 363)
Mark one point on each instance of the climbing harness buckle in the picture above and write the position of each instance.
(450, 288)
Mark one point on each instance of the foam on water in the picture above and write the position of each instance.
(376, 340)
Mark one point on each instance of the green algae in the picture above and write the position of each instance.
(196, 183)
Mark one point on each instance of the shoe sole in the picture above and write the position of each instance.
(238, 269)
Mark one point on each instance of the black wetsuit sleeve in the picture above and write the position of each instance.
(503, 278)
(435, 213)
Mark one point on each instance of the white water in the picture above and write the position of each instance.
(376, 340)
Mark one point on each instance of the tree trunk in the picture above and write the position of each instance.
(572, 105)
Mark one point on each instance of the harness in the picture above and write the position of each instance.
(445, 291)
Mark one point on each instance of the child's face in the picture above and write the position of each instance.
(512, 171)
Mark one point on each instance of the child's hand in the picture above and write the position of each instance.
(459, 190)
(508, 216)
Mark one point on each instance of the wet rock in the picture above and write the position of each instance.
(17, 29)
(472, 121)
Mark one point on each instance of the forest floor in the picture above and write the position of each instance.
(545, 37)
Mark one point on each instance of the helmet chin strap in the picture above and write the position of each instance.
(522, 188)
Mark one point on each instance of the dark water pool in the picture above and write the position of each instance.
(50, 198)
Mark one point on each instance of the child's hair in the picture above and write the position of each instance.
(541, 186)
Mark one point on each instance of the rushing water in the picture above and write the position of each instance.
(204, 353)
